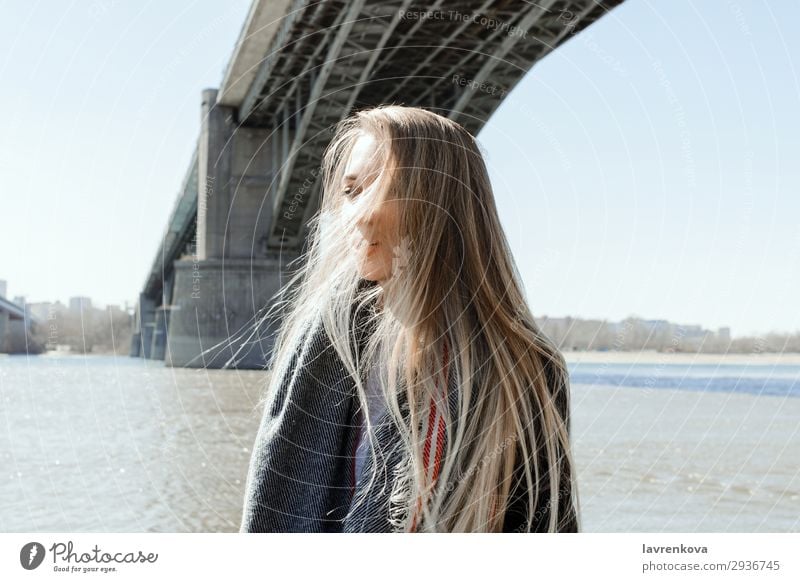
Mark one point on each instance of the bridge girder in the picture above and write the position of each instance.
(329, 58)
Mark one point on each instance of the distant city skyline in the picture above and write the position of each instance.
(645, 167)
(84, 327)
(76, 303)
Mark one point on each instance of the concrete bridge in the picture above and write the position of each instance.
(299, 67)
(16, 329)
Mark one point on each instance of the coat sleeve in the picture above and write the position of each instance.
(297, 479)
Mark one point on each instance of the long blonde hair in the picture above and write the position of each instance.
(454, 286)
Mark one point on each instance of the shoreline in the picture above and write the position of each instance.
(588, 357)
(654, 357)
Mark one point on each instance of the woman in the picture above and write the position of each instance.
(411, 389)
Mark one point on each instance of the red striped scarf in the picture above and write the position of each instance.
(434, 430)
(434, 441)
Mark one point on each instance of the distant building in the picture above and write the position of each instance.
(693, 331)
(40, 310)
(656, 324)
(724, 333)
(79, 304)
(3, 288)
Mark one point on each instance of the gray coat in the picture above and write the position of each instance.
(301, 476)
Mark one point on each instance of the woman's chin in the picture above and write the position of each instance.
(374, 275)
(371, 277)
(370, 271)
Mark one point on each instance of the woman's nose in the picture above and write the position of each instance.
(365, 227)
(366, 218)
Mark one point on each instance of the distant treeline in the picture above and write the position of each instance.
(636, 334)
(86, 330)
(93, 330)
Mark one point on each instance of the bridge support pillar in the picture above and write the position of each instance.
(136, 344)
(142, 338)
(147, 338)
(220, 292)
(217, 313)
(158, 345)
(3, 330)
(212, 301)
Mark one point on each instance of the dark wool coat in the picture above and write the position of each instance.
(301, 475)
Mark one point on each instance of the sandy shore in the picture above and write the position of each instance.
(653, 357)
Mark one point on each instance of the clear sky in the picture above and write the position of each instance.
(648, 167)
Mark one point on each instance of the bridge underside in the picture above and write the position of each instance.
(298, 68)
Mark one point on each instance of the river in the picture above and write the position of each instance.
(115, 444)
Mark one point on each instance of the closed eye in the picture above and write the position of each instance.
(350, 191)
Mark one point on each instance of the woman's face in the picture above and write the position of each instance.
(375, 219)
